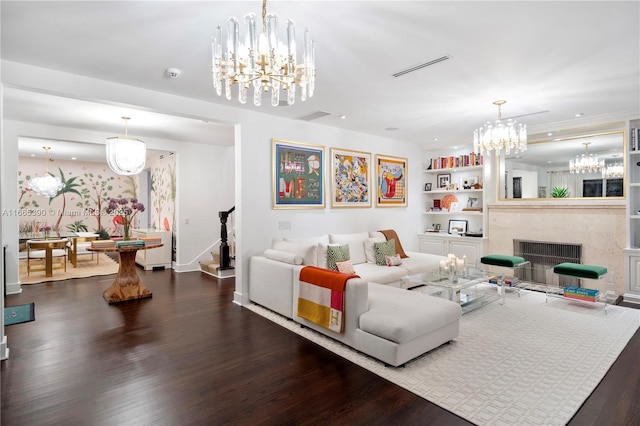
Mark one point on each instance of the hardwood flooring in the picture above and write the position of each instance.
(189, 356)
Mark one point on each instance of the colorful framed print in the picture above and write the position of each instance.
(297, 175)
(391, 179)
(350, 178)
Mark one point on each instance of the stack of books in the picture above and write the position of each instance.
(151, 241)
(103, 244)
(508, 280)
(129, 243)
(587, 294)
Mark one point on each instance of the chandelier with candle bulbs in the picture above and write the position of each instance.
(500, 135)
(263, 61)
(586, 163)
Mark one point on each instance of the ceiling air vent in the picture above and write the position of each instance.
(314, 115)
(423, 65)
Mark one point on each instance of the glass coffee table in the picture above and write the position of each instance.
(471, 288)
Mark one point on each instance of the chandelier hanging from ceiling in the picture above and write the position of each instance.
(262, 60)
(613, 170)
(47, 185)
(586, 163)
(126, 156)
(499, 135)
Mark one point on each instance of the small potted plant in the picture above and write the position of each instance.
(559, 192)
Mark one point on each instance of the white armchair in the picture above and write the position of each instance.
(80, 246)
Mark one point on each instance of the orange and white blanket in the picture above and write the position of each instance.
(321, 297)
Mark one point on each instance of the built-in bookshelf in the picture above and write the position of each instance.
(632, 250)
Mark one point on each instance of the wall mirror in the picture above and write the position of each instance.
(543, 170)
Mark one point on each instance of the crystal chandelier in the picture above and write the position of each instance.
(47, 185)
(126, 156)
(264, 60)
(499, 135)
(586, 163)
(613, 170)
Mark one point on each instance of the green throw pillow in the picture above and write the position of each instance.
(337, 254)
(388, 248)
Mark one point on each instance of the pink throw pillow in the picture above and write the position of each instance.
(346, 267)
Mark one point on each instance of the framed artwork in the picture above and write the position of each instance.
(472, 202)
(350, 178)
(443, 180)
(297, 175)
(427, 187)
(457, 226)
(391, 181)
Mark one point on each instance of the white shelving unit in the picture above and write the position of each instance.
(632, 191)
(443, 242)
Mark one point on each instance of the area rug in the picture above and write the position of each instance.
(526, 362)
(19, 314)
(86, 268)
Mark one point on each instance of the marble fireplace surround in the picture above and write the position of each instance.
(599, 228)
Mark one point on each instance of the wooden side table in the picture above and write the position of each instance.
(127, 285)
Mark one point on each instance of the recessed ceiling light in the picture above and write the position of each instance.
(73, 158)
(172, 72)
(435, 139)
(391, 129)
(579, 114)
(343, 117)
(550, 134)
(32, 155)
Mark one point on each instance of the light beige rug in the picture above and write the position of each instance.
(526, 362)
(86, 268)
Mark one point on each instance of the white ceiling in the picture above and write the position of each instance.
(558, 57)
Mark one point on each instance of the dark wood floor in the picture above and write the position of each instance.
(190, 356)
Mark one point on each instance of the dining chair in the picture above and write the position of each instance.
(42, 252)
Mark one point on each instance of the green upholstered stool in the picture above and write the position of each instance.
(506, 261)
(579, 270)
(588, 272)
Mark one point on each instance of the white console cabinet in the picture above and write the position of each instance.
(154, 258)
(443, 244)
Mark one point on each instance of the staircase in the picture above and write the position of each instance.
(222, 263)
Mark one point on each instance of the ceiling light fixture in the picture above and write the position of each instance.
(498, 136)
(47, 185)
(613, 170)
(126, 156)
(586, 163)
(264, 60)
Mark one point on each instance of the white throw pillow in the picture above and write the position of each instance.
(369, 250)
(356, 245)
(308, 252)
(322, 255)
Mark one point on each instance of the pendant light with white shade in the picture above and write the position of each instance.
(126, 156)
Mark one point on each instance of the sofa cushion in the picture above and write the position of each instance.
(580, 270)
(308, 252)
(337, 254)
(356, 244)
(387, 248)
(401, 315)
(283, 256)
(369, 251)
(394, 260)
(346, 267)
(421, 262)
(380, 274)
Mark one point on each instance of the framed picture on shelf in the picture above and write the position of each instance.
(391, 178)
(454, 207)
(297, 178)
(350, 178)
(427, 187)
(443, 180)
(472, 202)
(457, 226)
(468, 182)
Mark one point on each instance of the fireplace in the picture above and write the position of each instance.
(543, 256)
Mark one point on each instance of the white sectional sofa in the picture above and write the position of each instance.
(381, 320)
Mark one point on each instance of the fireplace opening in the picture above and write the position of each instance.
(544, 255)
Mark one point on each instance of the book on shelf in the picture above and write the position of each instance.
(633, 139)
(508, 280)
(151, 241)
(581, 293)
(451, 161)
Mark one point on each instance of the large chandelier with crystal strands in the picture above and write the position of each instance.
(613, 170)
(500, 135)
(263, 60)
(47, 185)
(126, 156)
(586, 163)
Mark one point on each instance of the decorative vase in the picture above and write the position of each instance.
(125, 230)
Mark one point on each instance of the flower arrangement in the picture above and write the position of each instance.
(45, 229)
(127, 209)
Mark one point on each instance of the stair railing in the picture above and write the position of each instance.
(225, 259)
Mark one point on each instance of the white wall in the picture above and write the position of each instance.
(256, 222)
